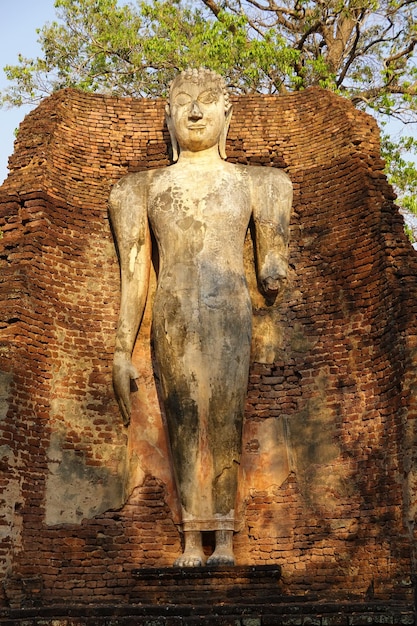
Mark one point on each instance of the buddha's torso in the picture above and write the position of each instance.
(199, 217)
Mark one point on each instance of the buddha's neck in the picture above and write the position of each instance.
(200, 157)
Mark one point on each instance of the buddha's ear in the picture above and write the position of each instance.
(170, 126)
(222, 140)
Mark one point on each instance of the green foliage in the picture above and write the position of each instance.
(98, 45)
(409, 232)
(402, 173)
(361, 48)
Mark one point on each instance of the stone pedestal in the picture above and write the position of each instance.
(203, 585)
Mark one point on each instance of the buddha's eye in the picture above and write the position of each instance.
(182, 99)
(208, 97)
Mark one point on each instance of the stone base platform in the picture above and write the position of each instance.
(286, 614)
(239, 596)
(206, 585)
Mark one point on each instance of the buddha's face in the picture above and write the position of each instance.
(197, 113)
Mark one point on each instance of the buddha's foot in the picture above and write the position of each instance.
(221, 557)
(190, 559)
(223, 552)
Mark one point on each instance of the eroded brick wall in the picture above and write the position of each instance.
(328, 489)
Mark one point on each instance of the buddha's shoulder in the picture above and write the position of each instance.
(135, 185)
(131, 181)
(262, 175)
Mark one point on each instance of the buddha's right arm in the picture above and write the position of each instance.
(128, 214)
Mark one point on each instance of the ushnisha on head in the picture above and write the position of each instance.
(198, 112)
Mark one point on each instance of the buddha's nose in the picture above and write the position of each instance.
(195, 112)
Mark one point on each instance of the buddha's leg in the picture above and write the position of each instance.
(183, 396)
(203, 369)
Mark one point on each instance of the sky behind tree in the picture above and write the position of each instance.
(18, 24)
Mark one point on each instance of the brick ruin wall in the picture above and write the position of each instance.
(328, 489)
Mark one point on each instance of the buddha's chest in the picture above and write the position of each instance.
(214, 199)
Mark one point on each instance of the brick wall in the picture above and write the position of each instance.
(328, 486)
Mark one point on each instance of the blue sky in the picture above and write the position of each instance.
(18, 24)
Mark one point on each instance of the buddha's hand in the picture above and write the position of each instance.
(273, 284)
(273, 275)
(273, 280)
(124, 375)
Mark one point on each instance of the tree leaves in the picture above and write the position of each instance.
(363, 49)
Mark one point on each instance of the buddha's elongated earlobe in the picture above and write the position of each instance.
(170, 126)
(222, 140)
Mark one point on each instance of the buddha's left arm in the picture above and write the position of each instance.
(271, 192)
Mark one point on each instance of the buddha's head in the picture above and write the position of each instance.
(198, 112)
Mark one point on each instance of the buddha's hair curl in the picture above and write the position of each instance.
(201, 75)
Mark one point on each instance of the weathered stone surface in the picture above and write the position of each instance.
(198, 211)
(341, 525)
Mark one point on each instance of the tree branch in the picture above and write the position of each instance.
(395, 57)
(352, 54)
(368, 95)
(213, 6)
